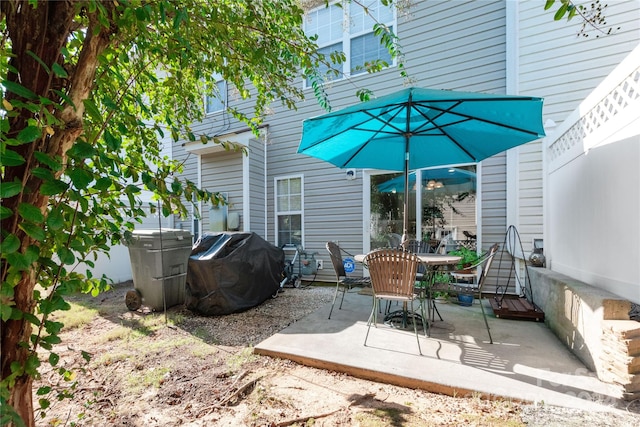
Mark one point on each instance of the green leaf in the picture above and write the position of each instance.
(29, 134)
(86, 356)
(43, 391)
(5, 212)
(53, 327)
(59, 71)
(30, 213)
(5, 312)
(32, 364)
(92, 109)
(548, 4)
(113, 142)
(103, 183)
(141, 14)
(52, 188)
(66, 256)
(44, 403)
(64, 97)
(52, 339)
(38, 60)
(18, 261)
(561, 11)
(176, 186)
(54, 304)
(43, 173)
(53, 359)
(80, 178)
(82, 150)
(54, 164)
(16, 314)
(55, 220)
(31, 318)
(11, 158)
(10, 189)
(34, 231)
(19, 90)
(9, 244)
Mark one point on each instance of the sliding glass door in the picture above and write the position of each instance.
(442, 204)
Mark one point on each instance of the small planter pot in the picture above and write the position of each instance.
(465, 300)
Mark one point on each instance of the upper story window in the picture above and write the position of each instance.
(216, 101)
(350, 30)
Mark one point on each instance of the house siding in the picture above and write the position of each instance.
(443, 51)
(257, 189)
(447, 45)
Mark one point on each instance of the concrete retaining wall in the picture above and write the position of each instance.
(581, 316)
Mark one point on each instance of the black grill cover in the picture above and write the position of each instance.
(232, 272)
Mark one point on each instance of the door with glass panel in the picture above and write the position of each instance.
(442, 205)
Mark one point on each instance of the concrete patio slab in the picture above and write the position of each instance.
(526, 362)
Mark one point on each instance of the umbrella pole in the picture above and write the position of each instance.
(405, 219)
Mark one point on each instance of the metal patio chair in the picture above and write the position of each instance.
(343, 281)
(477, 276)
(393, 275)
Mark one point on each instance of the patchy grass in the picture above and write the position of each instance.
(76, 317)
(236, 361)
(149, 377)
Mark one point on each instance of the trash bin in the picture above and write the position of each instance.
(159, 260)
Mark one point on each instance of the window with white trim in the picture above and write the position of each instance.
(356, 39)
(216, 101)
(288, 210)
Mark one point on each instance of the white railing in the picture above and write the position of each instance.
(604, 116)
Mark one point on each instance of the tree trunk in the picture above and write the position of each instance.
(42, 30)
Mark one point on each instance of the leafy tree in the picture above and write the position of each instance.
(90, 89)
(592, 15)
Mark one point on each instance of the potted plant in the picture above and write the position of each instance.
(467, 256)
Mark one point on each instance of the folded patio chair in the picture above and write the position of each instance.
(343, 281)
(393, 275)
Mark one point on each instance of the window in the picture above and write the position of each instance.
(365, 46)
(289, 210)
(217, 100)
(356, 40)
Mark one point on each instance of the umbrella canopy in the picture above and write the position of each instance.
(453, 180)
(416, 128)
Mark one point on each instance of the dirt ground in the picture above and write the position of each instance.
(181, 369)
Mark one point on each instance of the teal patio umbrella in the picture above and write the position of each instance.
(417, 128)
(452, 180)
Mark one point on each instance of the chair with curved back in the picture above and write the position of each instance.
(417, 246)
(343, 281)
(393, 275)
(478, 274)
